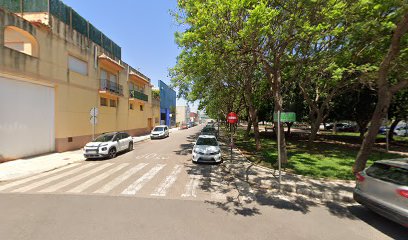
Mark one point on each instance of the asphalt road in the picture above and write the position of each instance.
(155, 192)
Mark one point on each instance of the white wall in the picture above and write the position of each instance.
(26, 119)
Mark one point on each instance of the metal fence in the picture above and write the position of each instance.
(67, 15)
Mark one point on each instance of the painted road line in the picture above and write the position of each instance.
(216, 189)
(115, 182)
(69, 181)
(97, 179)
(168, 182)
(29, 179)
(139, 183)
(51, 179)
(191, 187)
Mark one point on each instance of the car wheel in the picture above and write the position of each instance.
(112, 152)
(130, 146)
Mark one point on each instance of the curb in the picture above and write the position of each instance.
(302, 188)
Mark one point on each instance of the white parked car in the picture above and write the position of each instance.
(207, 149)
(401, 131)
(161, 131)
(108, 145)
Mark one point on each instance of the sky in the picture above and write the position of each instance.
(144, 29)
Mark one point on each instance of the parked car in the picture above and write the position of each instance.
(108, 145)
(401, 131)
(383, 188)
(207, 149)
(183, 126)
(161, 131)
(383, 130)
(209, 131)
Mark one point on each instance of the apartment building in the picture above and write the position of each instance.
(182, 114)
(54, 68)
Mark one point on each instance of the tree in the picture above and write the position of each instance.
(393, 61)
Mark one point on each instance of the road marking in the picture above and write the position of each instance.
(215, 185)
(115, 182)
(51, 179)
(191, 187)
(167, 183)
(25, 180)
(69, 181)
(139, 183)
(96, 179)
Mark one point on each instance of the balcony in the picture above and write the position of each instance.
(111, 87)
(138, 95)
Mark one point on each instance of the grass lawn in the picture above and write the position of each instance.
(323, 160)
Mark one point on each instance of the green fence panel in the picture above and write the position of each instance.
(106, 43)
(60, 10)
(11, 5)
(35, 6)
(95, 35)
(79, 23)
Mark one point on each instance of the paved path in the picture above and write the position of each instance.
(155, 192)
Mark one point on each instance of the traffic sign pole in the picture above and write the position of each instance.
(279, 149)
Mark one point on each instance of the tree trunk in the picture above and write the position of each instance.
(248, 129)
(383, 102)
(315, 126)
(334, 130)
(392, 128)
(278, 99)
(256, 133)
(289, 124)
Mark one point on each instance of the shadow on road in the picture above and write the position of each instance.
(388, 227)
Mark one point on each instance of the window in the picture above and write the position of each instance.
(131, 106)
(141, 107)
(388, 173)
(77, 65)
(104, 101)
(112, 103)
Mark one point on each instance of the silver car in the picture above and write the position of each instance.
(206, 149)
(383, 188)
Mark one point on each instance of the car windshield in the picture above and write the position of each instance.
(158, 129)
(207, 129)
(388, 173)
(207, 141)
(104, 138)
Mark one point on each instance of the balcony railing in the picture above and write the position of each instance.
(112, 87)
(138, 95)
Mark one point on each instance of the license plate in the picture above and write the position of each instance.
(90, 151)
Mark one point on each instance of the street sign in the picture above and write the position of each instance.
(285, 117)
(94, 112)
(93, 120)
(232, 118)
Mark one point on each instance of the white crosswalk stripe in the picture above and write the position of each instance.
(96, 179)
(51, 179)
(35, 177)
(200, 182)
(191, 187)
(161, 190)
(216, 186)
(139, 183)
(69, 181)
(123, 177)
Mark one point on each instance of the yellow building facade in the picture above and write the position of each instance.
(51, 76)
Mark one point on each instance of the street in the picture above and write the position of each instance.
(156, 192)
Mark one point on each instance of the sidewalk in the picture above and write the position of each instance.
(26, 167)
(268, 180)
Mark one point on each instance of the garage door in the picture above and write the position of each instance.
(26, 119)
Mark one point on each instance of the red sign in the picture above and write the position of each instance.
(232, 118)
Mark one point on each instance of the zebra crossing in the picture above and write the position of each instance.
(155, 180)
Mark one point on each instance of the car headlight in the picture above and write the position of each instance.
(217, 152)
(104, 149)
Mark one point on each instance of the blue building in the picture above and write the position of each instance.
(167, 102)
